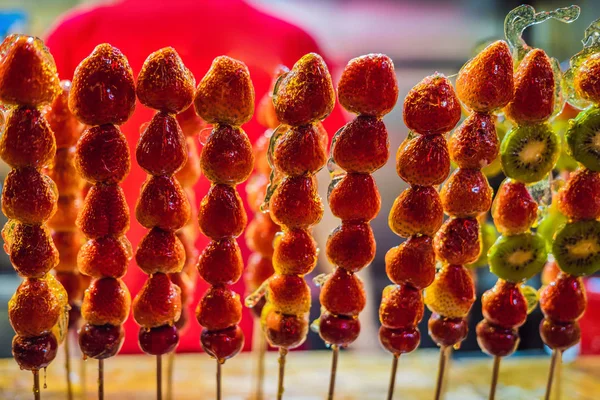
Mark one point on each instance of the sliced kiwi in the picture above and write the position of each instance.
(583, 138)
(529, 152)
(519, 257)
(576, 247)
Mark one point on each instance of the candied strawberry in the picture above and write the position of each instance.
(564, 299)
(418, 209)
(343, 293)
(105, 256)
(224, 344)
(431, 106)
(191, 124)
(68, 244)
(225, 95)
(66, 214)
(227, 156)
(162, 203)
(190, 172)
(474, 144)
(485, 83)
(467, 193)
(104, 212)
(559, 336)
(514, 210)
(103, 88)
(457, 241)
(101, 342)
(157, 303)
(63, 123)
(296, 203)
(159, 340)
(221, 262)
(586, 82)
(34, 353)
(31, 249)
(103, 155)
(27, 140)
(28, 74)
(29, 196)
(288, 294)
(452, 293)
(338, 330)
(550, 272)
(299, 152)
(496, 341)
(286, 331)
(222, 213)
(401, 307)
(64, 173)
(368, 85)
(351, 246)
(447, 332)
(160, 251)
(355, 198)
(362, 145)
(580, 197)
(164, 83)
(504, 305)
(260, 234)
(534, 89)
(161, 149)
(295, 252)
(258, 270)
(399, 341)
(423, 160)
(34, 309)
(413, 262)
(305, 94)
(96, 310)
(220, 308)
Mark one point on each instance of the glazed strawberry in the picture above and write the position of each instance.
(101, 342)
(423, 160)
(496, 341)
(227, 156)
(305, 94)
(514, 210)
(223, 344)
(258, 270)
(225, 95)
(288, 294)
(559, 336)
(418, 210)
(342, 281)
(399, 341)
(103, 155)
(485, 83)
(457, 241)
(504, 305)
(452, 293)
(103, 88)
(28, 74)
(260, 234)
(34, 353)
(295, 252)
(215, 256)
(534, 89)
(431, 106)
(97, 311)
(351, 246)
(338, 329)
(162, 203)
(296, 203)
(298, 151)
(362, 145)
(220, 308)
(474, 144)
(222, 213)
(105, 256)
(447, 332)
(564, 299)
(401, 307)
(29, 196)
(355, 198)
(34, 309)
(105, 212)
(161, 149)
(160, 251)
(467, 193)
(30, 247)
(413, 262)
(580, 197)
(64, 173)
(158, 302)
(368, 85)
(287, 331)
(65, 126)
(550, 272)
(586, 80)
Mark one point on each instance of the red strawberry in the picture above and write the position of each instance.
(474, 144)
(580, 198)
(161, 149)
(514, 210)
(564, 299)
(504, 305)
(424, 160)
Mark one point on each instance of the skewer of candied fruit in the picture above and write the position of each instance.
(38, 310)
(302, 98)
(66, 236)
(367, 87)
(224, 98)
(103, 96)
(166, 85)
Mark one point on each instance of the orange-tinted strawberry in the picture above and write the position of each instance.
(580, 197)
(431, 106)
(467, 193)
(104, 212)
(457, 241)
(514, 210)
(34, 309)
(103, 155)
(164, 83)
(65, 126)
(27, 139)
(362, 145)
(401, 307)
(413, 262)
(447, 332)
(103, 88)
(28, 74)
(296, 203)
(66, 214)
(355, 197)
(64, 173)
(586, 81)
(485, 83)
(351, 246)
(474, 144)
(504, 305)
(258, 270)
(564, 299)
(260, 234)
(160, 251)
(68, 244)
(338, 329)
(162, 203)
(221, 262)
(496, 341)
(417, 210)
(161, 149)
(452, 293)
(105, 256)
(227, 156)
(34, 353)
(288, 294)
(423, 160)
(30, 247)
(305, 94)
(534, 89)
(559, 336)
(295, 252)
(299, 152)
(189, 174)
(96, 310)
(287, 331)
(368, 85)
(353, 300)
(225, 95)
(220, 308)
(221, 214)
(29, 196)
(158, 302)
(223, 344)
(399, 341)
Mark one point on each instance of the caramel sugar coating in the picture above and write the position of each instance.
(342, 281)
(104, 212)
(586, 81)
(504, 305)
(29, 196)
(190, 172)
(227, 157)
(580, 197)
(452, 293)
(424, 160)
(260, 234)
(221, 214)
(467, 193)
(418, 210)
(220, 308)
(35, 308)
(288, 294)
(225, 95)
(106, 256)
(368, 85)
(65, 174)
(30, 247)
(68, 244)
(162, 203)
(28, 74)
(485, 83)
(362, 146)
(305, 94)
(351, 246)
(458, 241)
(164, 83)
(258, 270)
(27, 140)
(161, 149)
(106, 301)
(221, 262)
(103, 88)
(299, 151)
(401, 307)
(103, 155)
(158, 302)
(63, 123)
(66, 215)
(474, 144)
(296, 203)
(355, 198)
(513, 209)
(160, 251)
(412, 262)
(294, 252)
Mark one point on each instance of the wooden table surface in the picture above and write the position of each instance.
(360, 376)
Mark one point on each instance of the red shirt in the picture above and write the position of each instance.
(199, 31)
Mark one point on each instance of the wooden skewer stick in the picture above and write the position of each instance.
(495, 371)
(170, 369)
(280, 388)
(100, 379)
(83, 374)
(259, 347)
(218, 380)
(158, 377)
(36, 385)
(441, 370)
(556, 355)
(390, 395)
(334, 361)
(68, 368)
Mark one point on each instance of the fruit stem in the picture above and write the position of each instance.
(100, 379)
(556, 356)
(393, 377)
(36, 384)
(495, 372)
(334, 362)
(68, 368)
(259, 347)
(158, 377)
(282, 353)
(441, 370)
(170, 369)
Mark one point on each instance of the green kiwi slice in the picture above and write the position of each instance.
(529, 152)
(583, 138)
(576, 247)
(517, 258)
